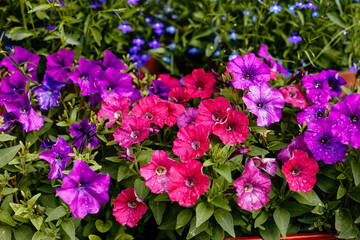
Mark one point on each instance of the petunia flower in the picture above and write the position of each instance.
(58, 157)
(199, 83)
(298, 144)
(266, 103)
(269, 165)
(335, 82)
(311, 113)
(188, 182)
(169, 81)
(322, 143)
(300, 172)
(188, 117)
(157, 172)
(174, 111)
(317, 87)
(47, 143)
(48, 92)
(151, 108)
(212, 111)
(14, 84)
(59, 64)
(192, 142)
(10, 121)
(295, 96)
(234, 129)
(346, 116)
(128, 208)
(84, 190)
(114, 109)
(274, 65)
(110, 60)
(159, 89)
(179, 94)
(84, 134)
(248, 71)
(252, 189)
(133, 129)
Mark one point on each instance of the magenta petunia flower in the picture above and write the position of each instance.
(110, 60)
(151, 108)
(234, 129)
(114, 109)
(248, 71)
(295, 96)
(269, 165)
(346, 118)
(84, 134)
(84, 190)
(128, 208)
(179, 95)
(59, 64)
(157, 172)
(58, 157)
(199, 83)
(317, 87)
(169, 81)
(193, 141)
(266, 103)
(133, 129)
(14, 84)
(300, 172)
(212, 111)
(311, 113)
(188, 182)
(159, 89)
(21, 57)
(274, 66)
(335, 82)
(298, 144)
(252, 189)
(174, 110)
(188, 117)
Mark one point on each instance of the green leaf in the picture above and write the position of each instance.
(94, 237)
(38, 236)
(271, 232)
(224, 170)
(6, 191)
(261, 219)
(355, 167)
(40, 7)
(225, 220)
(183, 218)
(32, 200)
(141, 189)
(343, 219)
(158, 209)
(18, 33)
(5, 233)
(221, 203)
(203, 212)
(5, 217)
(351, 233)
(23, 233)
(326, 184)
(193, 231)
(56, 214)
(70, 40)
(97, 35)
(124, 236)
(7, 154)
(340, 192)
(37, 221)
(256, 151)
(335, 19)
(103, 227)
(355, 193)
(282, 220)
(122, 172)
(6, 137)
(69, 228)
(310, 198)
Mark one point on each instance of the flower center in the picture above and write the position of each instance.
(24, 110)
(160, 170)
(83, 77)
(317, 85)
(354, 119)
(324, 140)
(257, 162)
(229, 127)
(109, 88)
(216, 116)
(319, 114)
(296, 171)
(259, 105)
(117, 114)
(292, 93)
(135, 134)
(248, 187)
(195, 145)
(149, 116)
(190, 182)
(247, 76)
(199, 85)
(132, 204)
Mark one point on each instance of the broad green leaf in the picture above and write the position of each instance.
(340, 192)
(335, 19)
(326, 184)
(221, 203)
(6, 137)
(217, 231)
(56, 214)
(256, 151)
(225, 220)
(351, 233)
(261, 219)
(38, 236)
(343, 219)
(5, 233)
(271, 232)
(355, 193)
(183, 217)
(23, 233)
(18, 33)
(124, 236)
(40, 7)
(7, 191)
(5, 217)
(224, 170)
(70, 40)
(310, 198)
(32, 200)
(37, 221)
(194, 231)
(355, 166)
(122, 172)
(203, 212)
(97, 35)
(158, 209)
(7, 154)
(103, 227)
(282, 220)
(94, 237)
(141, 189)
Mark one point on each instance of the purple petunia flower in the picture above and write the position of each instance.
(154, 43)
(248, 71)
(124, 27)
(322, 143)
(48, 92)
(346, 117)
(266, 103)
(188, 117)
(47, 143)
(158, 88)
(84, 134)
(84, 75)
(84, 190)
(110, 60)
(335, 82)
(269, 165)
(311, 113)
(317, 87)
(298, 144)
(58, 157)
(12, 86)
(59, 64)
(275, 66)
(24, 59)
(10, 121)
(295, 39)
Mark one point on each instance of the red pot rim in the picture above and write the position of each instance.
(312, 236)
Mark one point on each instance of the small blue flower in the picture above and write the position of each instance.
(246, 12)
(315, 14)
(143, 59)
(168, 9)
(138, 41)
(175, 16)
(155, 43)
(232, 35)
(216, 53)
(194, 50)
(172, 46)
(223, 18)
(275, 8)
(157, 25)
(132, 2)
(171, 29)
(294, 39)
(233, 55)
(148, 20)
(292, 8)
(344, 33)
(352, 69)
(134, 49)
(124, 27)
(166, 58)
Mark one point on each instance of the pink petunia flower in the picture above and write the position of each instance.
(234, 129)
(179, 94)
(211, 111)
(128, 208)
(153, 109)
(193, 141)
(269, 165)
(253, 189)
(199, 83)
(157, 172)
(188, 182)
(295, 96)
(133, 129)
(300, 172)
(188, 117)
(174, 111)
(169, 81)
(114, 109)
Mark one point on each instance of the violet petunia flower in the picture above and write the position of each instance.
(84, 190)
(335, 81)
(48, 92)
(298, 144)
(252, 189)
(266, 103)
(158, 88)
(59, 64)
(248, 71)
(317, 87)
(275, 66)
(22, 58)
(84, 134)
(346, 117)
(188, 117)
(323, 144)
(10, 121)
(110, 60)
(47, 143)
(311, 113)
(269, 165)
(14, 84)
(58, 157)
